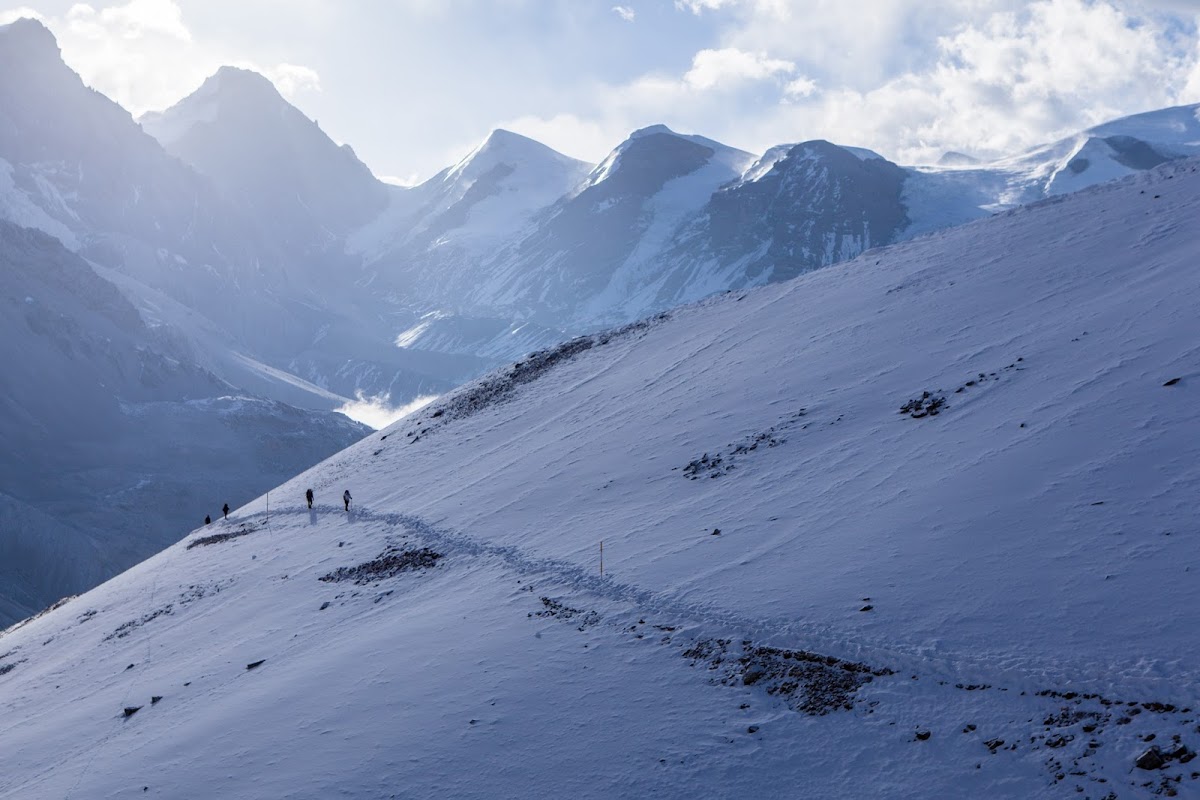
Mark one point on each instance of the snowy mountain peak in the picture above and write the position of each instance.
(1177, 125)
(651, 130)
(510, 152)
(663, 130)
(653, 155)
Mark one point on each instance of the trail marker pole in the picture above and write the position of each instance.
(601, 558)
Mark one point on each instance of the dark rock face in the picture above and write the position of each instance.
(817, 205)
(1134, 153)
(1151, 759)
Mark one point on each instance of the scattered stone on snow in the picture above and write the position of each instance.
(218, 538)
(723, 462)
(553, 608)
(389, 563)
(927, 405)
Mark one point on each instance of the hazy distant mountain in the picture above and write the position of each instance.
(254, 248)
(111, 431)
(275, 164)
(431, 240)
(75, 164)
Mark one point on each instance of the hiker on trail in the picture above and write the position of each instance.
(207, 519)
(225, 511)
(346, 499)
(309, 496)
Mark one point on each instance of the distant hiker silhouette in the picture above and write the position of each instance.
(207, 519)
(309, 496)
(225, 511)
(346, 499)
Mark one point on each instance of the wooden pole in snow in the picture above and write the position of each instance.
(601, 558)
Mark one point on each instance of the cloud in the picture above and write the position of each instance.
(700, 6)
(24, 12)
(133, 20)
(800, 87)
(625, 12)
(142, 54)
(378, 413)
(730, 67)
(291, 79)
(413, 179)
(586, 139)
(912, 79)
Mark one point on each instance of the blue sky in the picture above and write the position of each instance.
(412, 85)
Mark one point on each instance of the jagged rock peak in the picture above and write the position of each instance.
(243, 81)
(29, 37)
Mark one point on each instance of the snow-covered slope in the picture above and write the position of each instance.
(918, 525)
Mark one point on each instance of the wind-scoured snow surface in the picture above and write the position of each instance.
(918, 525)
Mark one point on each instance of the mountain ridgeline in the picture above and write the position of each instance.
(223, 276)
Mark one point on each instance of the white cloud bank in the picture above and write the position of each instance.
(914, 79)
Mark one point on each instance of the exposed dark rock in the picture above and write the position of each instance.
(808, 682)
(1172, 382)
(388, 564)
(553, 608)
(217, 538)
(927, 405)
(256, 664)
(1151, 759)
(923, 735)
(131, 710)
